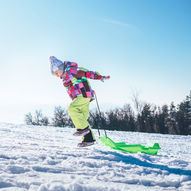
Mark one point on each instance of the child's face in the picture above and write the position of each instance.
(58, 73)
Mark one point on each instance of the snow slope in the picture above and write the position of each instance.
(47, 159)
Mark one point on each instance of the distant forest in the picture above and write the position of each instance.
(145, 117)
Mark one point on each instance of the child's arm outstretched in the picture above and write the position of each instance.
(80, 72)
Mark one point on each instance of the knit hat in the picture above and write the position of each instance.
(56, 65)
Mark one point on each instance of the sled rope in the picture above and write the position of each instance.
(99, 115)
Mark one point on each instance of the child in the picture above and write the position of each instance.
(76, 83)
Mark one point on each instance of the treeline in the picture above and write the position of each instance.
(168, 119)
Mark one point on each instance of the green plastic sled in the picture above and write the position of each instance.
(130, 148)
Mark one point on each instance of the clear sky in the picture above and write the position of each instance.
(145, 45)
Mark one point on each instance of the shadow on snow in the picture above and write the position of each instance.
(128, 159)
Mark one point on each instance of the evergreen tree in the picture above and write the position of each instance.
(97, 121)
(172, 123)
(128, 117)
(162, 119)
(145, 120)
(112, 120)
(184, 116)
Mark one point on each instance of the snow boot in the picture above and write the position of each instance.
(82, 132)
(88, 140)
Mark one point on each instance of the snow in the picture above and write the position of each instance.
(46, 159)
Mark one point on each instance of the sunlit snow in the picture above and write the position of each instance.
(47, 159)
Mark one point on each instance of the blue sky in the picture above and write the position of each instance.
(144, 45)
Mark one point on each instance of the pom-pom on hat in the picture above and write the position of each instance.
(56, 64)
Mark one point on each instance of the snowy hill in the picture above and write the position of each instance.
(47, 159)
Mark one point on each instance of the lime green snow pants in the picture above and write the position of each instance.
(79, 112)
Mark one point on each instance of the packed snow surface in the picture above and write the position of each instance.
(47, 159)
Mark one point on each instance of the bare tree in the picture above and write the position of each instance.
(61, 118)
(38, 119)
(138, 104)
(29, 119)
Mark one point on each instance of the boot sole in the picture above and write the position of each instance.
(85, 144)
